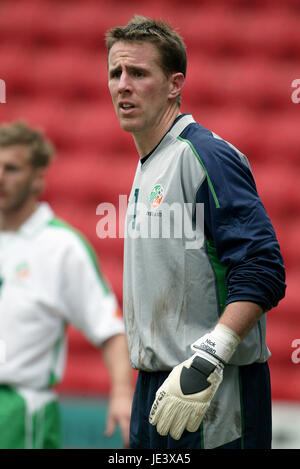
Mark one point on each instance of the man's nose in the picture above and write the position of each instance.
(124, 82)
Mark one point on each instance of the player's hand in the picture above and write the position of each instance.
(119, 411)
(184, 397)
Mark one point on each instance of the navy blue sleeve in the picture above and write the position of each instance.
(237, 223)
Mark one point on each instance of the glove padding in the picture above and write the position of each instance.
(184, 397)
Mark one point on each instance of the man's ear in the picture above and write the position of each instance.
(177, 81)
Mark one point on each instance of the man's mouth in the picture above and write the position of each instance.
(126, 106)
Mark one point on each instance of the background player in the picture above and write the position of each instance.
(49, 278)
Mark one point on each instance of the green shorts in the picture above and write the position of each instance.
(21, 430)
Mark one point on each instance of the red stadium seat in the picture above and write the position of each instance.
(97, 127)
(289, 307)
(280, 136)
(75, 125)
(91, 177)
(225, 32)
(16, 70)
(273, 33)
(289, 235)
(259, 84)
(69, 74)
(80, 25)
(25, 23)
(239, 126)
(277, 186)
(253, 84)
(44, 113)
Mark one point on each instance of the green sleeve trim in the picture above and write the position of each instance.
(210, 185)
(59, 223)
(220, 273)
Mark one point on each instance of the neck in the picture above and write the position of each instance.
(145, 141)
(12, 220)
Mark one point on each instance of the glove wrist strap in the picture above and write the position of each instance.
(221, 343)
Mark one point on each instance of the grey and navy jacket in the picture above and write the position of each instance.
(197, 238)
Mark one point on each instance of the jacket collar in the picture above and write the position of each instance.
(180, 124)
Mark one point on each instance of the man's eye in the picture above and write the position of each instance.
(116, 74)
(11, 169)
(139, 74)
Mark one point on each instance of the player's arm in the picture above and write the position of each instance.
(241, 317)
(115, 355)
(90, 305)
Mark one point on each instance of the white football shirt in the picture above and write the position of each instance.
(48, 278)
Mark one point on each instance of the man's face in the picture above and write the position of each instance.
(139, 88)
(18, 179)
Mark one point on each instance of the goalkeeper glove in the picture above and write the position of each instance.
(184, 397)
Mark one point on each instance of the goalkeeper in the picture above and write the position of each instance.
(195, 308)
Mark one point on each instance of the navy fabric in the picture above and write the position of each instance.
(255, 407)
(236, 220)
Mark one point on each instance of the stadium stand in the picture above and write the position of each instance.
(243, 57)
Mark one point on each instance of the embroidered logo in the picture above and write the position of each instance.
(22, 270)
(156, 195)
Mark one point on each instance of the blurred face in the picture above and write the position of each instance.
(139, 89)
(19, 181)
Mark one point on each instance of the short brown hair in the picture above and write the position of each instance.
(168, 41)
(19, 133)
